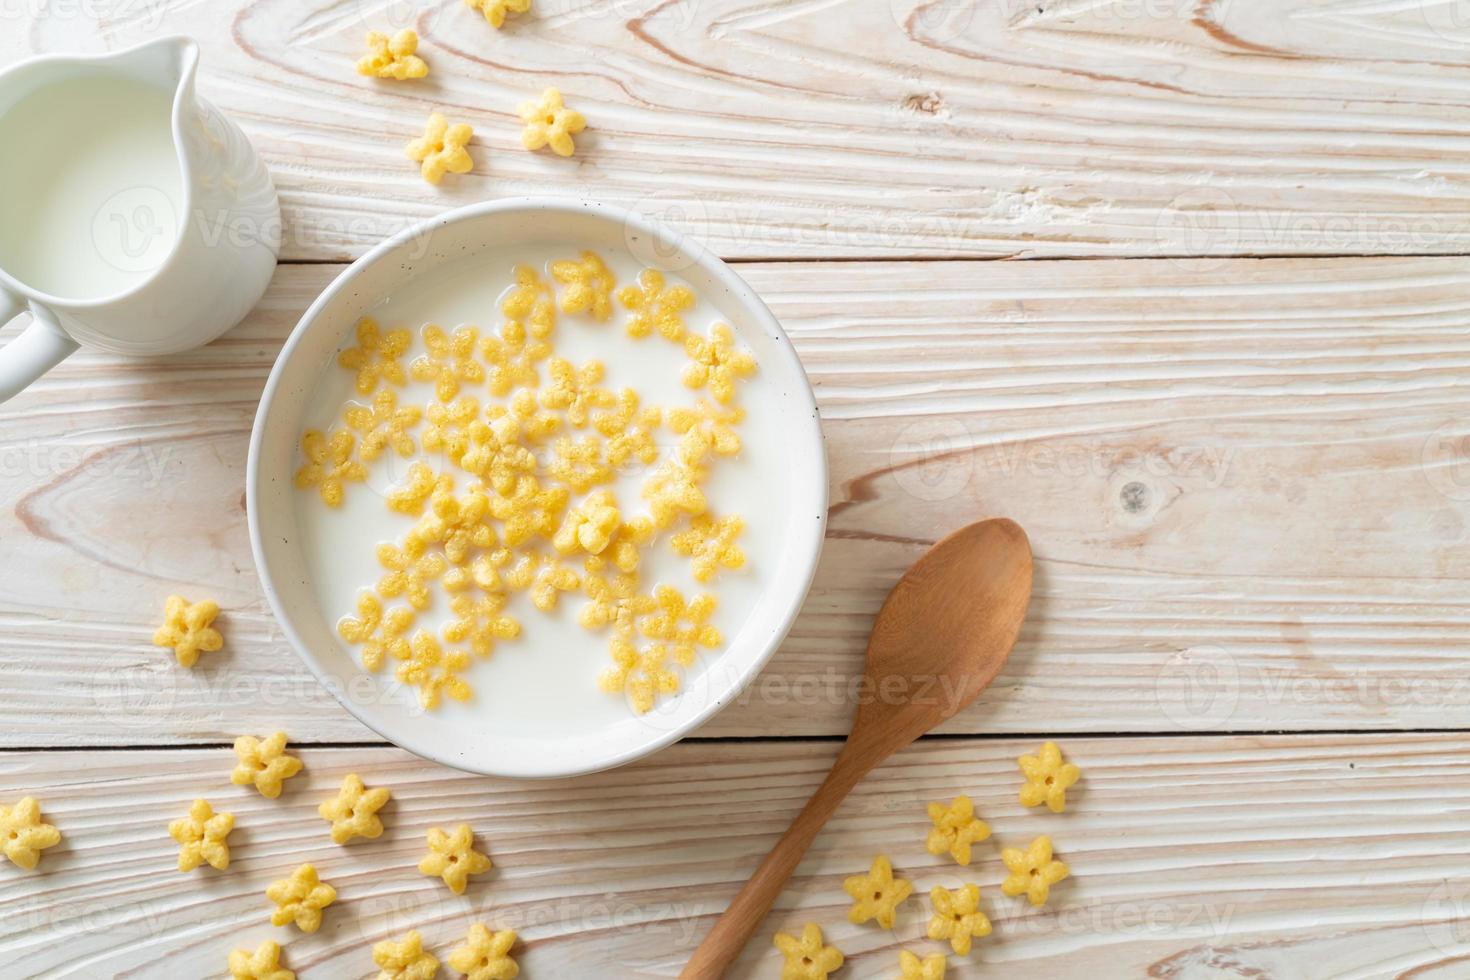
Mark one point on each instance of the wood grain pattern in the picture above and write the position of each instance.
(1246, 487)
(994, 128)
(1307, 856)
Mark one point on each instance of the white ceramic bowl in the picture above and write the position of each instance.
(798, 488)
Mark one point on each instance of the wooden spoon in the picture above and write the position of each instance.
(940, 638)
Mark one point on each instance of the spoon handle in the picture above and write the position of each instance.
(744, 916)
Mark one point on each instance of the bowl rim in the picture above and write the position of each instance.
(751, 304)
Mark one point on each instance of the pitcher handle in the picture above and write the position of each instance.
(38, 349)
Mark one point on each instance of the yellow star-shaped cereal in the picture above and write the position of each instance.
(263, 964)
(629, 429)
(683, 624)
(446, 428)
(495, 453)
(706, 429)
(393, 57)
(529, 510)
(300, 899)
(453, 857)
(450, 360)
(877, 894)
(495, 11)
(614, 602)
(641, 674)
(955, 828)
(655, 306)
(379, 633)
(1032, 871)
(807, 958)
(442, 149)
(22, 834)
(458, 524)
(548, 122)
(410, 569)
(202, 837)
(353, 812)
(553, 579)
(377, 356)
(589, 526)
(383, 424)
(264, 764)
(710, 542)
(579, 464)
(417, 488)
(1047, 778)
(434, 670)
(957, 917)
(673, 491)
(716, 362)
(576, 391)
(329, 464)
(912, 968)
(534, 425)
(485, 955)
(587, 285)
(532, 304)
(404, 959)
(479, 623)
(187, 629)
(623, 551)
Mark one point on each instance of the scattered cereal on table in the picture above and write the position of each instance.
(383, 424)
(655, 306)
(404, 959)
(393, 57)
(587, 285)
(450, 360)
(263, 964)
(548, 122)
(1032, 871)
(353, 812)
(300, 899)
(264, 764)
(379, 634)
(22, 834)
(957, 917)
(434, 670)
(930, 967)
(377, 356)
(807, 958)
(955, 828)
(495, 11)
(485, 955)
(716, 362)
(877, 894)
(711, 544)
(202, 837)
(329, 464)
(188, 629)
(1047, 778)
(442, 149)
(453, 857)
(682, 623)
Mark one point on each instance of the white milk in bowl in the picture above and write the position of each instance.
(545, 681)
(89, 185)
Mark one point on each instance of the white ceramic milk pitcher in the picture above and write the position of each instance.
(134, 218)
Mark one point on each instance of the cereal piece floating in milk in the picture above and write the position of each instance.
(716, 362)
(957, 917)
(379, 633)
(711, 544)
(624, 552)
(458, 524)
(955, 828)
(656, 307)
(807, 958)
(300, 899)
(263, 763)
(673, 491)
(434, 670)
(453, 857)
(404, 959)
(416, 489)
(393, 57)
(495, 11)
(377, 356)
(576, 391)
(629, 429)
(1032, 871)
(188, 629)
(382, 425)
(202, 837)
(531, 302)
(450, 360)
(682, 624)
(553, 579)
(614, 602)
(496, 455)
(353, 812)
(548, 122)
(411, 568)
(479, 623)
(641, 674)
(587, 285)
(533, 425)
(706, 429)
(528, 511)
(877, 894)
(22, 834)
(329, 464)
(485, 955)
(580, 464)
(263, 964)
(442, 149)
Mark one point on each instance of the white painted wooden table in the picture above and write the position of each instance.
(1225, 393)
